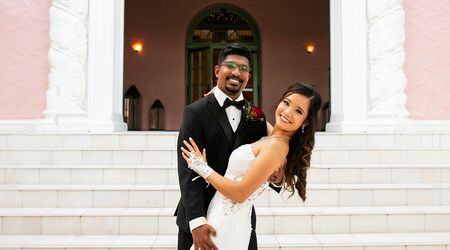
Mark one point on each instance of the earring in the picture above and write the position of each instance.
(303, 129)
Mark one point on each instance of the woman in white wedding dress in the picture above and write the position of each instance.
(290, 142)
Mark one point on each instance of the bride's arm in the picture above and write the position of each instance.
(266, 162)
(257, 174)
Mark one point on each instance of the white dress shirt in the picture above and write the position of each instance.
(234, 117)
(233, 113)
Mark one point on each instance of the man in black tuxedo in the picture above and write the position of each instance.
(219, 123)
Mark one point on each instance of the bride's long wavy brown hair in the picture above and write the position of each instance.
(301, 143)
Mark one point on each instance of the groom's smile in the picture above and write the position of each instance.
(235, 80)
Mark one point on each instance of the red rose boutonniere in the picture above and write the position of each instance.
(254, 113)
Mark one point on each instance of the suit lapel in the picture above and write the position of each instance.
(221, 116)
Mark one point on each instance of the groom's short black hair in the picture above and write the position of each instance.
(235, 49)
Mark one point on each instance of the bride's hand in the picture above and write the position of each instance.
(211, 91)
(192, 148)
(196, 159)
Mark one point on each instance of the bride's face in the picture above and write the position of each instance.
(292, 112)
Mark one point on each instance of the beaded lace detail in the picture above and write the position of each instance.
(231, 206)
(199, 166)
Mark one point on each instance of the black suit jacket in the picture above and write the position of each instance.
(207, 123)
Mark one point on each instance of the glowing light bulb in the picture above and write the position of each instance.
(310, 48)
(137, 47)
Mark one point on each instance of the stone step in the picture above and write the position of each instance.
(167, 174)
(168, 139)
(391, 241)
(102, 156)
(376, 140)
(89, 174)
(168, 195)
(160, 221)
(86, 140)
(379, 173)
(168, 156)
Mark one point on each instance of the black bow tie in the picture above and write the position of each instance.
(237, 104)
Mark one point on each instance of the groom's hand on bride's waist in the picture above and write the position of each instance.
(201, 237)
(277, 178)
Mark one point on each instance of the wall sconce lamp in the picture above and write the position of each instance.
(137, 47)
(310, 48)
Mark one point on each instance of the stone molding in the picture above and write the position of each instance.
(386, 38)
(66, 94)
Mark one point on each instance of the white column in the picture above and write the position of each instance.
(349, 69)
(387, 81)
(105, 71)
(86, 67)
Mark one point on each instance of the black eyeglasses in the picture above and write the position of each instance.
(232, 66)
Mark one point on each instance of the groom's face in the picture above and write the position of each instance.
(233, 75)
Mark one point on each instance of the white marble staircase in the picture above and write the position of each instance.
(118, 191)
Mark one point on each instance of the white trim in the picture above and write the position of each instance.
(21, 126)
(119, 36)
(426, 126)
(398, 126)
(336, 66)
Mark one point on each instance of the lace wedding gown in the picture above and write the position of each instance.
(232, 220)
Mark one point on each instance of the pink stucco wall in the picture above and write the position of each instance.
(159, 72)
(24, 67)
(427, 47)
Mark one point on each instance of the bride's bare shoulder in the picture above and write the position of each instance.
(275, 146)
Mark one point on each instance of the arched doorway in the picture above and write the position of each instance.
(208, 33)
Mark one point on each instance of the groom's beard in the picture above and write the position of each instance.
(233, 87)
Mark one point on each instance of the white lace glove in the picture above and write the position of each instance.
(198, 165)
